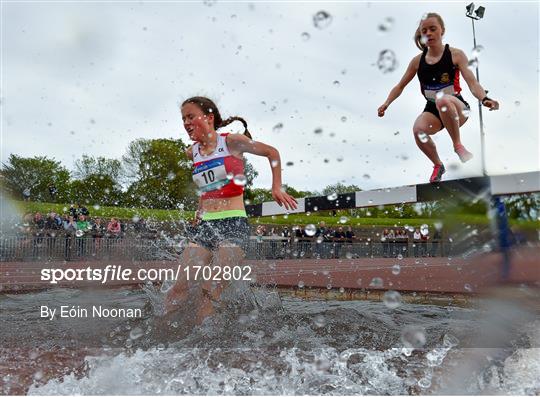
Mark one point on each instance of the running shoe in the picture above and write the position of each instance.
(464, 154)
(437, 173)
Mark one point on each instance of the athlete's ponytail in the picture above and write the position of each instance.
(236, 118)
(207, 106)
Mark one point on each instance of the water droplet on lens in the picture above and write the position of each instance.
(517, 103)
(422, 137)
(477, 50)
(301, 284)
(376, 282)
(439, 94)
(386, 25)
(318, 131)
(322, 19)
(343, 219)
(289, 163)
(400, 257)
(336, 83)
(332, 196)
(392, 299)
(310, 230)
(468, 287)
(387, 61)
(396, 269)
(305, 36)
(424, 230)
(343, 118)
(473, 63)
(79, 233)
(424, 383)
(366, 176)
(277, 127)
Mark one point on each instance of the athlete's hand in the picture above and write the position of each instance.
(492, 104)
(382, 109)
(284, 199)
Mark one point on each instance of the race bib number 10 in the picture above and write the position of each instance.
(210, 175)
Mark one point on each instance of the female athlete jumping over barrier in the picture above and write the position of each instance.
(438, 68)
(221, 228)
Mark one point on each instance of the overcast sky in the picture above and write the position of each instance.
(89, 77)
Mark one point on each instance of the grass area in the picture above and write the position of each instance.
(293, 219)
(106, 212)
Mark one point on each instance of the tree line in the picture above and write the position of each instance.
(156, 173)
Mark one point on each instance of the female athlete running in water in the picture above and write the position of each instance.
(221, 228)
(438, 68)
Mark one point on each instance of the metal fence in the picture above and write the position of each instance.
(40, 248)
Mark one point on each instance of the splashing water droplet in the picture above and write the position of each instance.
(343, 219)
(274, 163)
(310, 230)
(423, 137)
(444, 109)
(468, 287)
(366, 176)
(343, 119)
(517, 103)
(466, 112)
(387, 61)
(336, 83)
(136, 333)
(396, 269)
(319, 321)
(289, 163)
(413, 337)
(439, 94)
(392, 299)
(79, 233)
(301, 284)
(305, 36)
(318, 131)
(240, 180)
(424, 230)
(450, 340)
(322, 19)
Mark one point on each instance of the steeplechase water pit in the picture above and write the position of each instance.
(358, 325)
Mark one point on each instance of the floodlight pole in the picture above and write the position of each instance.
(469, 14)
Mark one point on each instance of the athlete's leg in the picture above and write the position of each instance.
(226, 257)
(425, 125)
(193, 255)
(451, 112)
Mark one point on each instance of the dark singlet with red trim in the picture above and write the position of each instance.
(442, 76)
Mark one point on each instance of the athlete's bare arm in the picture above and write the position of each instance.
(239, 144)
(460, 60)
(398, 89)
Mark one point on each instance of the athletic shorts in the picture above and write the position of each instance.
(432, 108)
(210, 234)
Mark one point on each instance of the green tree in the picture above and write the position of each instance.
(340, 188)
(89, 166)
(160, 174)
(36, 174)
